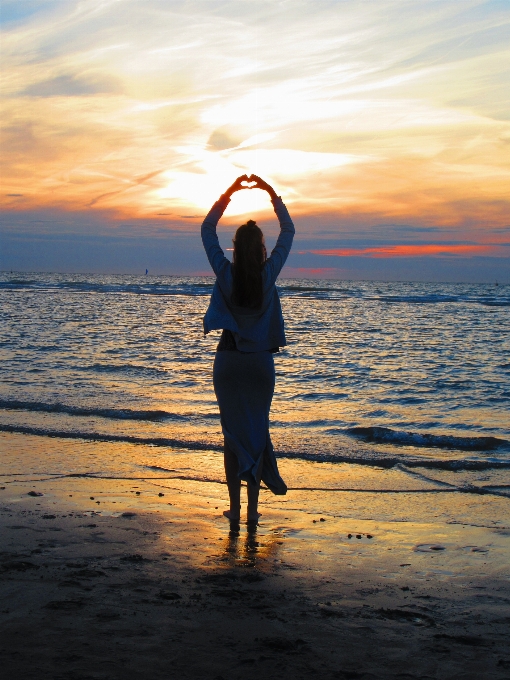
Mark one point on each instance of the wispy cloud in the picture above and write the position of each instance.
(377, 112)
(72, 86)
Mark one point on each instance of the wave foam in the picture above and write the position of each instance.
(115, 414)
(384, 435)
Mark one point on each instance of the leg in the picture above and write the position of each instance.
(233, 483)
(253, 495)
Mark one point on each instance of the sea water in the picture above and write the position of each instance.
(407, 375)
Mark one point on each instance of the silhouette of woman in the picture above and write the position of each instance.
(245, 304)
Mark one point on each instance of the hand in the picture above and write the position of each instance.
(260, 184)
(237, 185)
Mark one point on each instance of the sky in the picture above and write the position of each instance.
(384, 125)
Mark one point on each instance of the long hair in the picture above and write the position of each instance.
(248, 262)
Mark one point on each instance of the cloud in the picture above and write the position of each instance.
(501, 230)
(380, 118)
(135, 182)
(73, 86)
(415, 250)
(410, 229)
(222, 139)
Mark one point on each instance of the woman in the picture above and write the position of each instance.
(245, 304)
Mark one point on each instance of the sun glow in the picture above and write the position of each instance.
(213, 172)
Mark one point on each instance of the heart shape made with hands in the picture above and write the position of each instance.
(249, 184)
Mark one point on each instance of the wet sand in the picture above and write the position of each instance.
(141, 576)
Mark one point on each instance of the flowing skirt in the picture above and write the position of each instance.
(244, 386)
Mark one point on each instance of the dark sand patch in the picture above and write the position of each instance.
(145, 603)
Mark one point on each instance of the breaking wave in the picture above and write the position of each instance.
(372, 458)
(155, 416)
(385, 435)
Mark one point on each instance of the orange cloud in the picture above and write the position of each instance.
(419, 250)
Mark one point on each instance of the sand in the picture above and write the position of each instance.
(143, 578)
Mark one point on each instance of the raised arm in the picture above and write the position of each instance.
(212, 247)
(283, 245)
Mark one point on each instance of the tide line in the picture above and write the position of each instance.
(374, 459)
(208, 480)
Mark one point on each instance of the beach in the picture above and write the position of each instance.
(132, 576)
(387, 558)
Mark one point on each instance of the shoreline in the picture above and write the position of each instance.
(106, 578)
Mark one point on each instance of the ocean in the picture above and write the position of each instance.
(411, 376)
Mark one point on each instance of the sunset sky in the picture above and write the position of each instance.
(384, 125)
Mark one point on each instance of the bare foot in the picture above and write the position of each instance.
(231, 516)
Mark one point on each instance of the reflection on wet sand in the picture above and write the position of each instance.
(247, 549)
